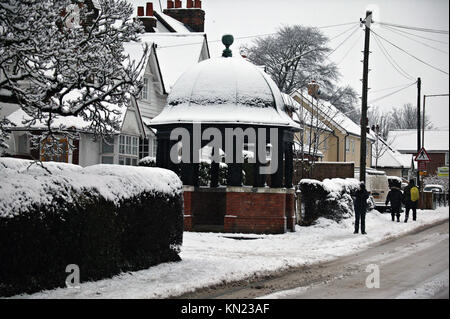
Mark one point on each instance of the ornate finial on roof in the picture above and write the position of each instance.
(227, 40)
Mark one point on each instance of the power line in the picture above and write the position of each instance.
(350, 49)
(391, 60)
(345, 31)
(411, 55)
(414, 28)
(310, 51)
(416, 35)
(390, 88)
(392, 93)
(412, 39)
(262, 35)
(345, 40)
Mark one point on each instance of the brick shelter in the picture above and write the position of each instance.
(232, 103)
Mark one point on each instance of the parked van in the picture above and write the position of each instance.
(378, 185)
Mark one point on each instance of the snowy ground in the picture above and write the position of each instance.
(211, 258)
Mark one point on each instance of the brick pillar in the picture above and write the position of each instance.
(290, 212)
(187, 200)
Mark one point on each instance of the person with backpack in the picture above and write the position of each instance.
(395, 197)
(360, 203)
(411, 198)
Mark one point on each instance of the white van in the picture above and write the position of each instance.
(378, 185)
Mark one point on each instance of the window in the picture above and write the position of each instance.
(353, 146)
(347, 145)
(107, 159)
(128, 150)
(155, 146)
(108, 145)
(144, 93)
(143, 148)
(446, 159)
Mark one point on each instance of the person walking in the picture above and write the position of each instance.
(395, 197)
(360, 204)
(411, 198)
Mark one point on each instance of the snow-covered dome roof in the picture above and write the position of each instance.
(225, 90)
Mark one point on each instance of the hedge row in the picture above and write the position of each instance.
(101, 235)
(329, 199)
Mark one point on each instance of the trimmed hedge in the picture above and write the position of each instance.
(329, 199)
(103, 237)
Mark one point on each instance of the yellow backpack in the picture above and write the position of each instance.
(414, 194)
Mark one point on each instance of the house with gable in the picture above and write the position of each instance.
(391, 161)
(436, 143)
(174, 46)
(340, 137)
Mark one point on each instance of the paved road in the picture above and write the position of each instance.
(412, 266)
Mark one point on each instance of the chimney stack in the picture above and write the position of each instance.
(140, 11)
(192, 16)
(148, 20)
(149, 11)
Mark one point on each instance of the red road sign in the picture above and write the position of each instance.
(422, 156)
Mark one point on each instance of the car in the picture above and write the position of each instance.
(434, 188)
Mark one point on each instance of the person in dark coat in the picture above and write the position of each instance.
(360, 204)
(395, 197)
(411, 199)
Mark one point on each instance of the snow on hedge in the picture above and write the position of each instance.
(338, 185)
(23, 185)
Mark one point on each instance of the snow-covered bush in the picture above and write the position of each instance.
(148, 161)
(103, 218)
(330, 199)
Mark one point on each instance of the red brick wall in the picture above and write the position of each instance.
(243, 212)
(437, 160)
(255, 212)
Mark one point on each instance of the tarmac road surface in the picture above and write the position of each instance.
(412, 266)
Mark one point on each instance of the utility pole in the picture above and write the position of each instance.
(419, 145)
(363, 148)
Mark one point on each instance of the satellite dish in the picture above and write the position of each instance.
(73, 19)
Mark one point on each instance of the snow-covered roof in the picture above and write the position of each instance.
(405, 141)
(289, 102)
(79, 123)
(333, 115)
(176, 25)
(223, 91)
(393, 159)
(175, 53)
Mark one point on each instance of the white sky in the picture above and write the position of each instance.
(254, 17)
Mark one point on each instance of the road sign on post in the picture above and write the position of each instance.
(422, 156)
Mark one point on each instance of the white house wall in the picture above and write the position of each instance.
(89, 150)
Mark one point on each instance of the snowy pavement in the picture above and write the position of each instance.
(215, 258)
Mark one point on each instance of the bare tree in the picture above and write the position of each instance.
(315, 117)
(59, 59)
(406, 118)
(380, 119)
(295, 56)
